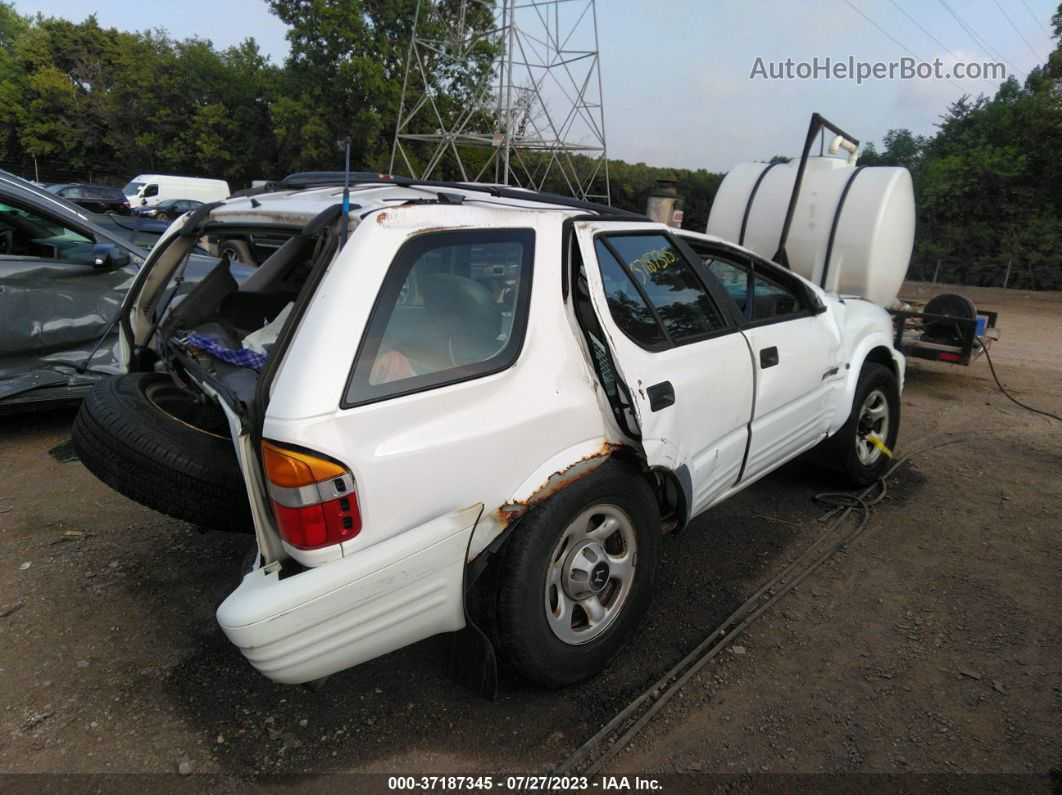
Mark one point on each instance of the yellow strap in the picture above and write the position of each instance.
(874, 440)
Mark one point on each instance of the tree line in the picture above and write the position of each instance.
(988, 184)
(80, 102)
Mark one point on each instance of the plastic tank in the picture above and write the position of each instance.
(861, 217)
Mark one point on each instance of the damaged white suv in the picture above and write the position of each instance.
(449, 380)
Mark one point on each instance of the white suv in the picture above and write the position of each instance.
(460, 379)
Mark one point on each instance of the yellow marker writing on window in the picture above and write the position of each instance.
(651, 262)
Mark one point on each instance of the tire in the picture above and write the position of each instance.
(951, 305)
(236, 251)
(858, 462)
(151, 441)
(544, 544)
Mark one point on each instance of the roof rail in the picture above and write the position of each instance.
(321, 179)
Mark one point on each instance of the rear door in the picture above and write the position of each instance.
(796, 351)
(678, 348)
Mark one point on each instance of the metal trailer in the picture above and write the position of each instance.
(949, 328)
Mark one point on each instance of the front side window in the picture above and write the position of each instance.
(762, 298)
(772, 299)
(26, 233)
(665, 280)
(452, 307)
(151, 190)
(735, 280)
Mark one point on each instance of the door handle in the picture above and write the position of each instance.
(661, 395)
(768, 357)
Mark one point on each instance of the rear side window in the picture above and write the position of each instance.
(452, 307)
(663, 277)
(625, 303)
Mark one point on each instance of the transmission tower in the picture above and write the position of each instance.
(532, 117)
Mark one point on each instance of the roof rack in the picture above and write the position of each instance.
(323, 179)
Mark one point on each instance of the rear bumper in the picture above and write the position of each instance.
(350, 610)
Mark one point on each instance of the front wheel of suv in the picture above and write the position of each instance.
(577, 576)
(875, 413)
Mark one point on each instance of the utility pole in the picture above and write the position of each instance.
(535, 120)
(936, 271)
(1006, 277)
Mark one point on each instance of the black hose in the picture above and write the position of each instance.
(842, 504)
(984, 349)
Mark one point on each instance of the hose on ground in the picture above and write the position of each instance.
(984, 349)
(841, 505)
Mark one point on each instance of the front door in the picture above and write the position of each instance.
(55, 302)
(796, 351)
(679, 351)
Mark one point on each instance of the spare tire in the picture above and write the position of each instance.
(950, 305)
(158, 444)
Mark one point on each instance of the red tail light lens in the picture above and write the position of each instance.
(314, 498)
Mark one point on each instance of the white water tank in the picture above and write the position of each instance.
(861, 217)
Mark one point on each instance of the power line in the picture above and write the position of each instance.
(1039, 58)
(978, 40)
(899, 43)
(934, 38)
(1036, 19)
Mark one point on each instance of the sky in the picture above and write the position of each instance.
(676, 74)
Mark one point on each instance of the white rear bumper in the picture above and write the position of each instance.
(345, 612)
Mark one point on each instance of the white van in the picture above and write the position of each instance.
(150, 189)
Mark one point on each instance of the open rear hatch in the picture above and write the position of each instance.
(226, 338)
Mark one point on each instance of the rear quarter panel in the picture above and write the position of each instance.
(418, 457)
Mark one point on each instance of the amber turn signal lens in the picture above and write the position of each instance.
(290, 469)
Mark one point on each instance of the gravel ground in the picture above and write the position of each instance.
(932, 645)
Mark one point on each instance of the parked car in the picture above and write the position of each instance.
(168, 209)
(63, 278)
(141, 232)
(465, 379)
(96, 198)
(254, 246)
(150, 189)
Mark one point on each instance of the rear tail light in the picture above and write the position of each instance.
(314, 498)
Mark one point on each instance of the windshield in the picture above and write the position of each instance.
(132, 188)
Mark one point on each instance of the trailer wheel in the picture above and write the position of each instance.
(952, 305)
(155, 443)
(875, 411)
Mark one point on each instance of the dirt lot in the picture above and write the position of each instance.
(932, 645)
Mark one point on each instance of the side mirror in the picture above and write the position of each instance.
(109, 255)
(143, 202)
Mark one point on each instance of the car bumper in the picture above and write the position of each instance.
(320, 621)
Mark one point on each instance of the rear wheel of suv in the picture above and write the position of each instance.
(157, 444)
(577, 576)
